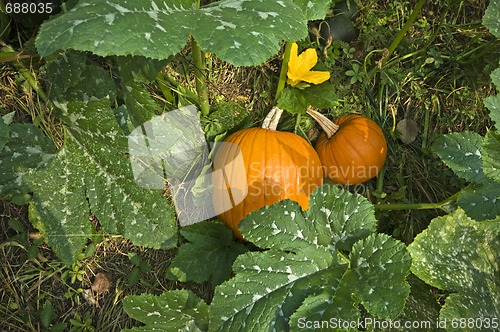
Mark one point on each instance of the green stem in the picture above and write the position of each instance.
(165, 90)
(177, 87)
(407, 206)
(417, 206)
(284, 70)
(297, 123)
(404, 29)
(200, 78)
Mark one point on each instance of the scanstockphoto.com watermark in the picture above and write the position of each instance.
(492, 323)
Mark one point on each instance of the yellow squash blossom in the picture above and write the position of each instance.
(299, 67)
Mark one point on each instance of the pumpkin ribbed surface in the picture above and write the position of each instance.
(355, 153)
(272, 166)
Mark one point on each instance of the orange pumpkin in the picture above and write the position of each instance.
(256, 167)
(353, 149)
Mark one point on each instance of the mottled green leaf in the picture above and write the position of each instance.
(340, 217)
(421, 309)
(460, 255)
(490, 150)
(59, 209)
(266, 290)
(134, 73)
(307, 263)
(75, 77)
(94, 168)
(120, 204)
(177, 310)
(245, 32)
(208, 256)
(379, 265)
(25, 149)
(490, 18)
(4, 133)
(493, 102)
(314, 10)
(461, 152)
(481, 202)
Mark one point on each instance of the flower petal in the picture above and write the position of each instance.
(316, 77)
(299, 67)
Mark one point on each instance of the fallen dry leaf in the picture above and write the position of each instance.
(101, 284)
(408, 130)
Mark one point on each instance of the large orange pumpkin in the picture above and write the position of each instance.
(352, 149)
(256, 167)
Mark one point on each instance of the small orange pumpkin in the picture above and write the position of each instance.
(256, 167)
(352, 149)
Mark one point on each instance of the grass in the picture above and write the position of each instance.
(437, 76)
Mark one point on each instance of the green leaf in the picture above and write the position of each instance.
(493, 102)
(421, 307)
(226, 116)
(481, 201)
(94, 168)
(347, 218)
(490, 150)
(321, 95)
(25, 149)
(460, 255)
(314, 10)
(379, 265)
(134, 72)
(178, 310)
(293, 101)
(4, 133)
(76, 78)
(266, 290)
(208, 256)
(462, 153)
(59, 209)
(304, 266)
(243, 33)
(47, 314)
(490, 18)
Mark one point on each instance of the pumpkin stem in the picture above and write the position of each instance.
(272, 118)
(328, 126)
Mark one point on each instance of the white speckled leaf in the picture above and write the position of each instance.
(134, 72)
(208, 256)
(493, 102)
(377, 275)
(340, 217)
(490, 18)
(461, 152)
(303, 260)
(94, 166)
(313, 308)
(4, 133)
(490, 150)
(280, 226)
(481, 202)
(314, 10)
(460, 255)
(122, 206)
(177, 310)
(25, 149)
(245, 32)
(59, 209)
(75, 77)
(267, 289)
